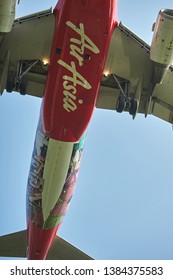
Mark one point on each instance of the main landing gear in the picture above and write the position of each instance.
(125, 102)
(18, 81)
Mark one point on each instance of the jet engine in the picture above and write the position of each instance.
(162, 44)
(7, 15)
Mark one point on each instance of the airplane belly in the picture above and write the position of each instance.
(51, 183)
(81, 39)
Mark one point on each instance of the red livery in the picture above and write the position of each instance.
(64, 63)
(82, 35)
(79, 47)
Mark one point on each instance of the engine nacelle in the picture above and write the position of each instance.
(161, 52)
(7, 15)
(162, 42)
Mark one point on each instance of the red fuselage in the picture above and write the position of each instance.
(82, 35)
(83, 30)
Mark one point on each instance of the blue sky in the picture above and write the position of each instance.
(123, 203)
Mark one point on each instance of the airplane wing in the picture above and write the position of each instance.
(129, 70)
(25, 52)
(24, 62)
(15, 245)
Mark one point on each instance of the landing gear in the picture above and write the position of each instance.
(121, 104)
(10, 82)
(23, 86)
(122, 99)
(20, 81)
(133, 107)
(128, 104)
(125, 102)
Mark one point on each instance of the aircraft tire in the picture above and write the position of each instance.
(23, 87)
(121, 103)
(10, 83)
(133, 107)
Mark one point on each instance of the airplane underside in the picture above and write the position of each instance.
(69, 100)
(77, 70)
(52, 179)
(80, 43)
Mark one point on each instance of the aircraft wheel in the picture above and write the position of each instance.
(10, 83)
(23, 87)
(121, 103)
(133, 107)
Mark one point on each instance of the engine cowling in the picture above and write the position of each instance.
(7, 15)
(162, 44)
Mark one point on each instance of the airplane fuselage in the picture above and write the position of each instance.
(82, 34)
(52, 178)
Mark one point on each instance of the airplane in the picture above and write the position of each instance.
(113, 95)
